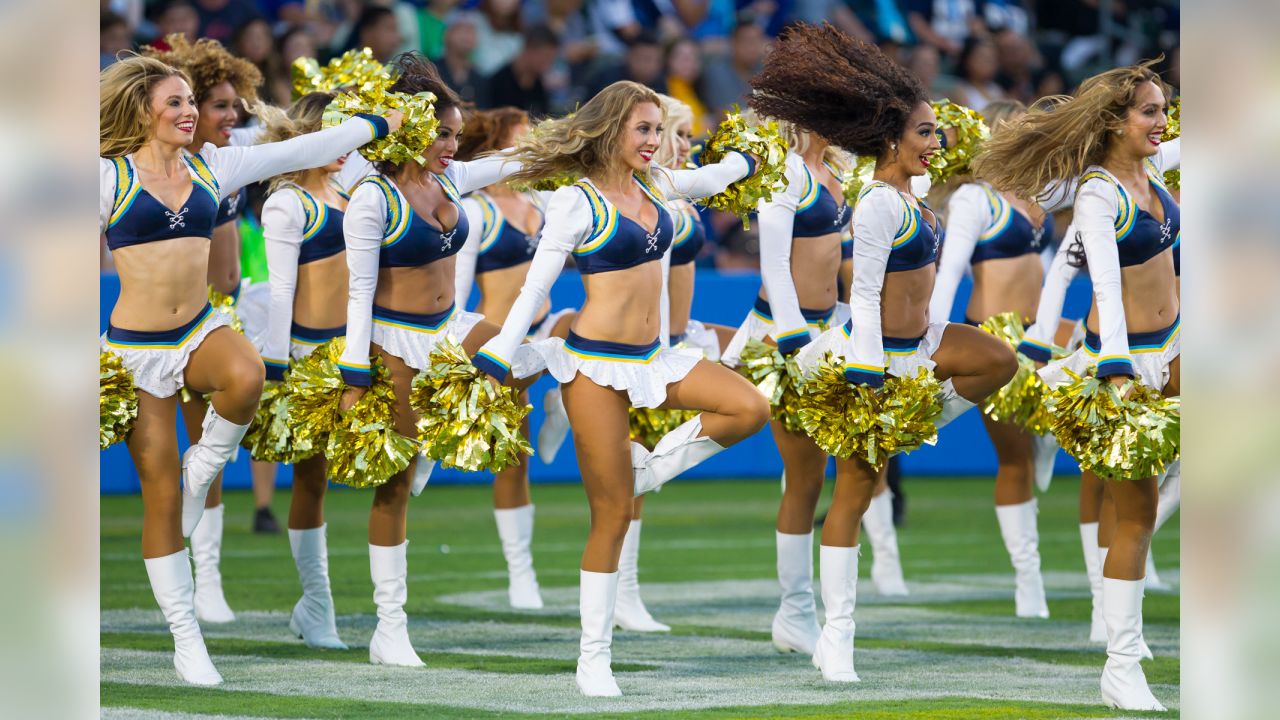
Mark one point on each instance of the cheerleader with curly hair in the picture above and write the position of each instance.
(616, 225)
(1126, 224)
(158, 206)
(852, 95)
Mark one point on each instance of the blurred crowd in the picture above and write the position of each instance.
(547, 56)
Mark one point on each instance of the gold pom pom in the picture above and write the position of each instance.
(270, 438)
(1021, 401)
(466, 420)
(777, 377)
(1173, 178)
(226, 304)
(971, 131)
(417, 129)
(365, 450)
(648, 425)
(547, 184)
(117, 400)
(763, 141)
(353, 70)
(1117, 437)
(853, 182)
(848, 420)
(314, 387)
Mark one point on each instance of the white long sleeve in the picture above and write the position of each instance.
(362, 225)
(107, 181)
(1038, 342)
(283, 224)
(1095, 216)
(968, 216)
(475, 174)
(702, 182)
(1169, 156)
(465, 267)
(777, 221)
(355, 169)
(664, 301)
(568, 223)
(876, 221)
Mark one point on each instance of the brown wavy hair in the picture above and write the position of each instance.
(208, 64)
(489, 130)
(843, 89)
(1060, 137)
(303, 117)
(586, 142)
(124, 103)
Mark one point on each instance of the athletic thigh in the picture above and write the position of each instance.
(711, 387)
(1173, 388)
(966, 350)
(224, 358)
(402, 384)
(1012, 443)
(602, 439)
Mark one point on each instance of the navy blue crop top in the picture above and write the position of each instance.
(818, 213)
(1011, 234)
(1139, 237)
(617, 242)
(502, 245)
(322, 235)
(690, 236)
(916, 242)
(137, 217)
(409, 240)
(231, 208)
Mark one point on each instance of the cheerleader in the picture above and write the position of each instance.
(403, 225)
(504, 228)
(158, 207)
(850, 93)
(1127, 224)
(616, 225)
(306, 262)
(222, 83)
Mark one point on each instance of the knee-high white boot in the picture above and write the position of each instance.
(629, 612)
(1143, 650)
(952, 407)
(1044, 451)
(389, 568)
(1022, 540)
(1169, 499)
(515, 530)
(795, 625)
(555, 428)
(206, 550)
(313, 618)
(1093, 566)
(174, 591)
(886, 566)
(1124, 685)
(676, 452)
(202, 462)
(838, 568)
(596, 595)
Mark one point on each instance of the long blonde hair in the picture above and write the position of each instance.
(303, 117)
(677, 113)
(1061, 137)
(584, 143)
(124, 103)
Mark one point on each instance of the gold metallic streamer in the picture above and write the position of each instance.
(848, 420)
(1021, 401)
(763, 141)
(547, 184)
(466, 420)
(225, 303)
(1118, 437)
(353, 70)
(648, 425)
(315, 389)
(1173, 178)
(117, 400)
(417, 129)
(971, 131)
(853, 182)
(270, 438)
(776, 376)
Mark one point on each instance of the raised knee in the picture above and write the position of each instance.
(755, 411)
(1004, 364)
(246, 376)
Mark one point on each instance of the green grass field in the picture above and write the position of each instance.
(951, 650)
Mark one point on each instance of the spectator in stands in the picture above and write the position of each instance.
(838, 13)
(642, 64)
(886, 20)
(377, 29)
(220, 18)
(498, 30)
(296, 42)
(944, 24)
(254, 42)
(455, 65)
(613, 25)
(1019, 62)
(924, 61)
(977, 67)
(519, 82)
(569, 22)
(684, 78)
(114, 36)
(433, 25)
(727, 79)
(178, 16)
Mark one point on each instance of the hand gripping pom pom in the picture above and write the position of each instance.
(417, 130)
(971, 131)
(117, 400)
(777, 377)
(649, 425)
(1173, 178)
(466, 420)
(354, 69)
(763, 141)
(847, 420)
(226, 304)
(365, 450)
(270, 437)
(314, 388)
(1118, 437)
(1021, 401)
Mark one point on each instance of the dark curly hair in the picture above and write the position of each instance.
(414, 74)
(209, 64)
(842, 89)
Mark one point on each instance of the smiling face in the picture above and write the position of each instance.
(173, 112)
(441, 152)
(217, 115)
(919, 141)
(1145, 122)
(640, 136)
